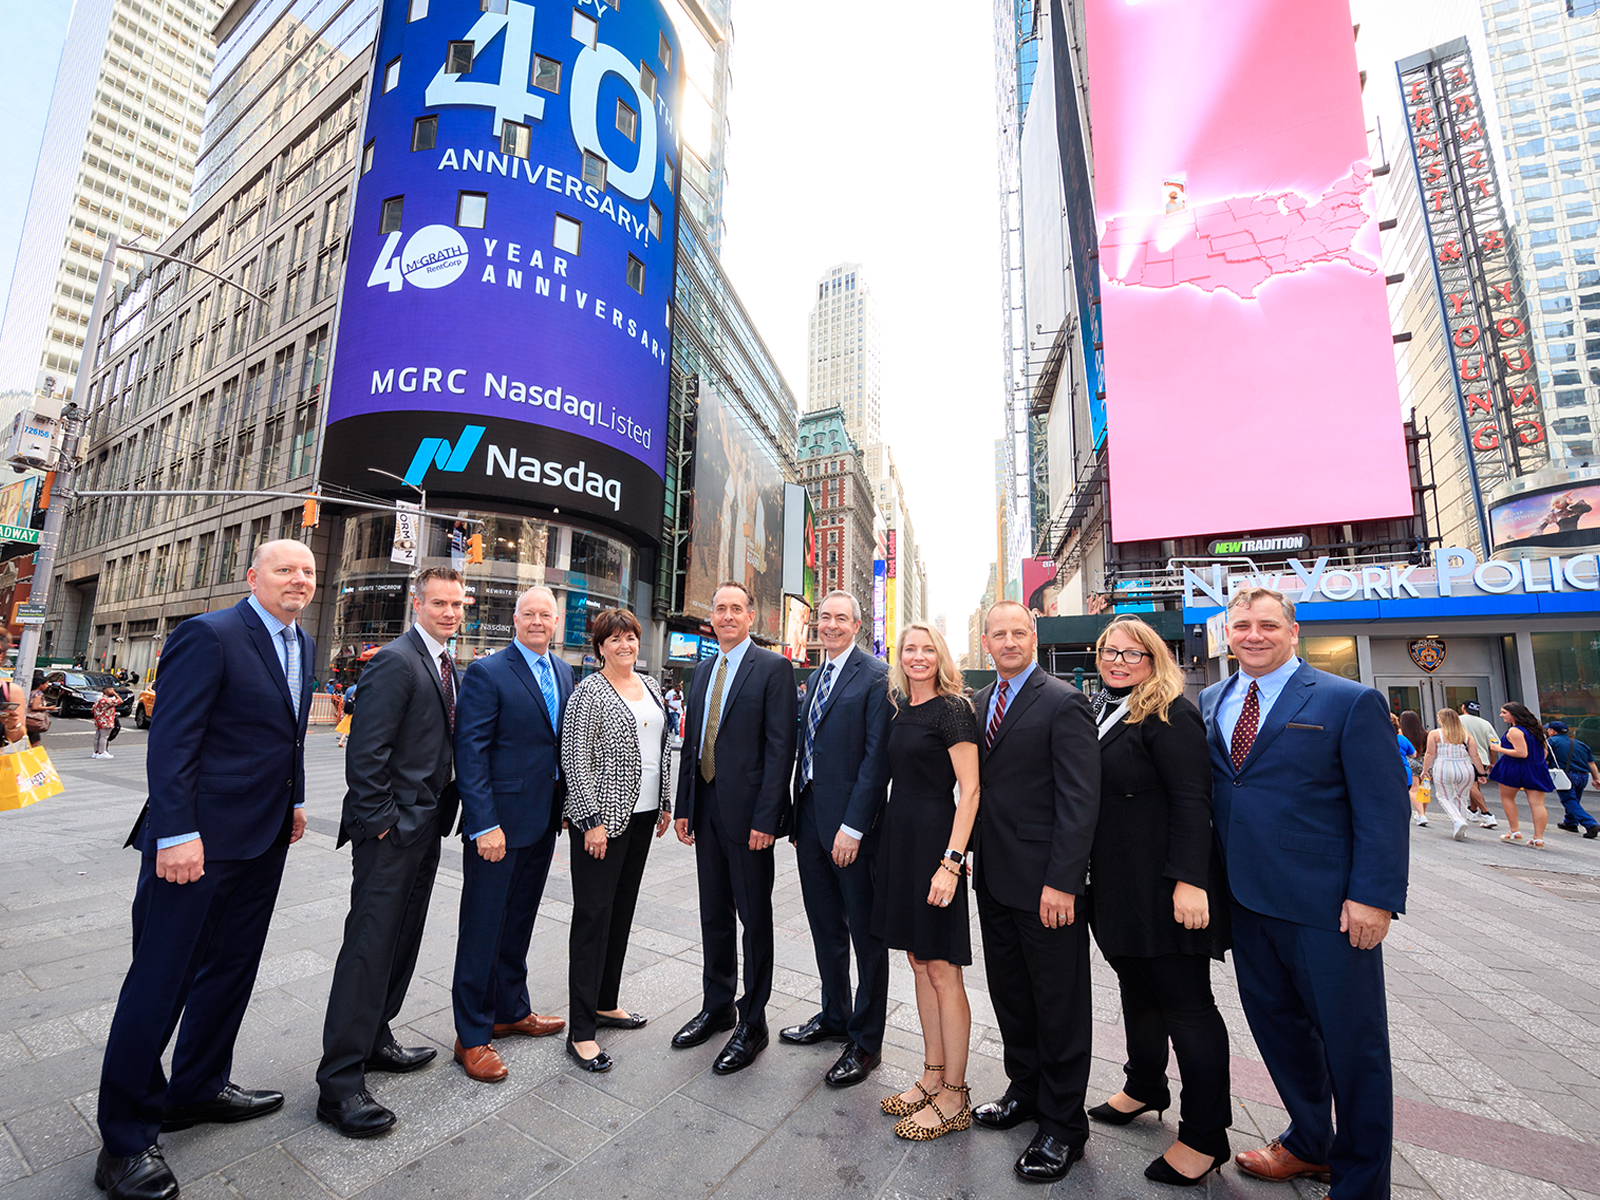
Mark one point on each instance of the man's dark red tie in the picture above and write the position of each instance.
(447, 675)
(1000, 690)
(1244, 733)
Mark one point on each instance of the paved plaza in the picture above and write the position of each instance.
(1494, 1005)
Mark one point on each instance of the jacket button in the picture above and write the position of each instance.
(1235, 783)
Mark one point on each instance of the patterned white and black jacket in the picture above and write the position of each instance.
(600, 755)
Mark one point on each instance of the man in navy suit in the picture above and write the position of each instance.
(508, 770)
(733, 804)
(226, 770)
(841, 778)
(1310, 811)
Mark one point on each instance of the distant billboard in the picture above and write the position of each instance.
(1554, 517)
(1242, 285)
(796, 628)
(683, 647)
(799, 544)
(1039, 587)
(880, 596)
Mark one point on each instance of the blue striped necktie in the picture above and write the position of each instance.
(814, 716)
(291, 668)
(547, 685)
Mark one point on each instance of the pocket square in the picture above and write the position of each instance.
(1298, 725)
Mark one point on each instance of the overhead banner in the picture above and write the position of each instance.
(1242, 287)
(407, 518)
(504, 332)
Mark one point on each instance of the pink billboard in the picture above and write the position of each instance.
(1249, 362)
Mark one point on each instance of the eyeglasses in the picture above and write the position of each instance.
(1132, 657)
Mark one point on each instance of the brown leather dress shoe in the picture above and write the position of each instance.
(532, 1025)
(482, 1063)
(1273, 1162)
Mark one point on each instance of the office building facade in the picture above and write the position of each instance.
(834, 471)
(844, 352)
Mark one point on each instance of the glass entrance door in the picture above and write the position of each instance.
(1426, 695)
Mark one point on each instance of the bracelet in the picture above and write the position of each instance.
(945, 865)
(954, 856)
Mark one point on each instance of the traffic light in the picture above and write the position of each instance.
(308, 514)
(475, 549)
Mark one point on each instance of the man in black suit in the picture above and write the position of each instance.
(401, 800)
(1040, 775)
(226, 768)
(840, 781)
(733, 803)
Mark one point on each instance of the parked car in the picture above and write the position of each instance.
(74, 692)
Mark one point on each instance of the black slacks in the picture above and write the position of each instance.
(604, 893)
(735, 889)
(389, 892)
(1169, 998)
(1039, 985)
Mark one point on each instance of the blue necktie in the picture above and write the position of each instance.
(814, 718)
(547, 685)
(291, 668)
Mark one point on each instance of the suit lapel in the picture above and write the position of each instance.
(852, 664)
(980, 707)
(1020, 703)
(746, 665)
(269, 654)
(415, 639)
(1116, 731)
(1290, 701)
(1214, 728)
(520, 668)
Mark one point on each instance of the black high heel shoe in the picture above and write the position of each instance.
(1161, 1171)
(1107, 1115)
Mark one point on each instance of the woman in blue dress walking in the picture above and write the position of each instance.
(1520, 766)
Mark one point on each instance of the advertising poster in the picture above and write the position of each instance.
(504, 331)
(1039, 587)
(1554, 517)
(16, 511)
(683, 647)
(738, 517)
(1238, 235)
(880, 596)
(796, 627)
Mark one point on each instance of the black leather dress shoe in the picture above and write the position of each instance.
(854, 1065)
(812, 1032)
(229, 1105)
(631, 1021)
(398, 1059)
(1569, 826)
(1046, 1159)
(741, 1049)
(599, 1064)
(702, 1025)
(358, 1116)
(141, 1176)
(1005, 1113)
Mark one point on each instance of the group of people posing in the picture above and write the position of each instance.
(1264, 821)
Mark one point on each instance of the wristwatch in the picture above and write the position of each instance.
(954, 856)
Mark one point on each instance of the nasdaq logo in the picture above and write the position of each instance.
(438, 452)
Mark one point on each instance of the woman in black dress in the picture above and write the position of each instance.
(921, 902)
(1157, 900)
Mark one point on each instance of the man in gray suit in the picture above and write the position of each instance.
(401, 801)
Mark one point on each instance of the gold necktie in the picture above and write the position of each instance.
(708, 744)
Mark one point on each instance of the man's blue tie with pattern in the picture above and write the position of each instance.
(814, 717)
(547, 685)
(291, 668)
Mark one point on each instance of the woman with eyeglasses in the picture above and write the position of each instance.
(1157, 900)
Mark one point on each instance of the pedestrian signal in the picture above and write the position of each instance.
(475, 548)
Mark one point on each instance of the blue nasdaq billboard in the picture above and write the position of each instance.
(504, 333)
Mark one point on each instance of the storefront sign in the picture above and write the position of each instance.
(1260, 545)
(1427, 652)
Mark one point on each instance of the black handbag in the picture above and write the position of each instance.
(116, 728)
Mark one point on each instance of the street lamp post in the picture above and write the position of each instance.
(422, 528)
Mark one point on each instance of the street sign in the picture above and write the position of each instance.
(19, 533)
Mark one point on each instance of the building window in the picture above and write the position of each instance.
(615, 4)
(366, 157)
(627, 122)
(546, 74)
(393, 209)
(494, 6)
(664, 53)
(424, 133)
(666, 173)
(647, 81)
(515, 139)
(418, 10)
(568, 235)
(584, 28)
(391, 75)
(471, 208)
(635, 274)
(458, 58)
(594, 171)
(653, 222)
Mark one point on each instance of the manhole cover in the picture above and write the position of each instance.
(1559, 883)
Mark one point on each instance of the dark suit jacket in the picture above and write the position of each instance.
(1317, 815)
(1039, 793)
(755, 744)
(508, 755)
(398, 763)
(226, 756)
(850, 754)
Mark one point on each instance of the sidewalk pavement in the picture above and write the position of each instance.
(1494, 1005)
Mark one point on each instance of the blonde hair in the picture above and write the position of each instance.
(947, 680)
(1155, 695)
(1450, 727)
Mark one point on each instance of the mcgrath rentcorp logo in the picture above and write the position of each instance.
(438, 452)
(434, 256)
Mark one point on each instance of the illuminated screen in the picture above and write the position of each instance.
(1248, 352)
(683, 646)
(1554, 517)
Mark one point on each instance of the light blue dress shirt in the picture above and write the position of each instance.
(734, 657)
(1012, 688)
(1268, 688)
(275, 630)
(533, 660)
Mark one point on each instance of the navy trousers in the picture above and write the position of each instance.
(196, 948)
(1317, 1011)
(1572, 805)
(735, 889)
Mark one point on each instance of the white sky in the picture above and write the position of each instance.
(866, 132)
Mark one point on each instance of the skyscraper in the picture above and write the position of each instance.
(118, 156)
(842, 363)
(706, 31)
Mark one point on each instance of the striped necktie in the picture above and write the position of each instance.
(814, 718)
(291, 667)
(1000, 690)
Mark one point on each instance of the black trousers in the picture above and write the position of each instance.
(1039, 986)
(735, 888)
(604, 893)
(196, 948)
(839, 909)
(389, 892)
(1168, 998)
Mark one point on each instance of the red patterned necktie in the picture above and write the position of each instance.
(1244, 733)
(1000, 691)
(447, 676)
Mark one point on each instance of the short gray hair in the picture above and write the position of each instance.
(855, 605)
(538, 587)
(1247, 596)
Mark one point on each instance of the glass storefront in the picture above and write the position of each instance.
(1335, 655)
(1567, 667)
(588, 571)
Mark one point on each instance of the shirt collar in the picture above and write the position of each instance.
(1274, 681)
(274, 626)
(434, 648)
(1017, 680)
(736, 655)
(838, 660)
(531, 657)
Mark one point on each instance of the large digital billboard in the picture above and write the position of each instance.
(504, 332)
(1248, 350)
(1560, 517)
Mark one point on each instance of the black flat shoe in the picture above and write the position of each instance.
(702, 1025)
(398, 1059)
(358, 1116)
(741, 1049)
(1046, 1159)
(854, 1065)
(229, 1105)
(1161, 1171)
(1107, 1115)
(1005, 1113)
(631, 1021)
(812, 1032)
(141, 1176)
(599, 1064)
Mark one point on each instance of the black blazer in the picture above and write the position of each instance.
(1039, 792)
(850, 754)
(400, 761)
(755, 744)
(1154, 830)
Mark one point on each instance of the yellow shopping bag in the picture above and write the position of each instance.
(1424, 792)
(27, 777)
